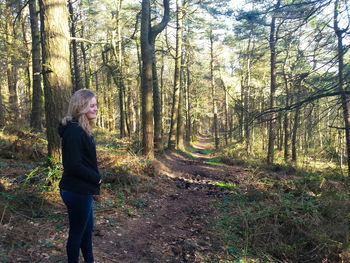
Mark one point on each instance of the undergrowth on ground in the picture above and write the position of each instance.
(282, 213)
(32, 215)
(286, 214)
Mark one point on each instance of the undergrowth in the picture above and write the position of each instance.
(32, 215)
(284, 213)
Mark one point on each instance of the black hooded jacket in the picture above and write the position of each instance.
(80, 173)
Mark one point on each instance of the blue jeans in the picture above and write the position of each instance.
(81, 225)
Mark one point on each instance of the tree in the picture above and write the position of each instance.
(11, 68)
(177, 82)
(77, 76)
(213, 89)
(35, 121)
(56, 68)
(272, 44)
(147, 35)
(344, 99)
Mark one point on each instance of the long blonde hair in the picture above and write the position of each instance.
(79, 105)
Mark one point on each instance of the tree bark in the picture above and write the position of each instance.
(273, 40)
(188, 103)
(247, 98)
(118, 52)
(339, 33)
(180, 116)
(56, 68)
(2, 115)
(35, 120)
(177, 83)
(286, 114)
(226, 113)
(296, 124)
(213, 90)
(155, 30)
(147, 82)
(11, 70)
(77, 76)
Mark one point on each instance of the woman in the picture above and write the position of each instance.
(81, 178)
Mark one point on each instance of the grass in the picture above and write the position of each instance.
(286, 214)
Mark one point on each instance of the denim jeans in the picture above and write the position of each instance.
(81, 225)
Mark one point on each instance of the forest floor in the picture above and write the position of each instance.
(181, 207)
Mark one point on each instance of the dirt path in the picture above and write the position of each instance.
(174, 224)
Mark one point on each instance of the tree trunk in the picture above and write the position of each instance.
(147, 81)
(296, 124)
(286, 114)
(247, 98)
(110, 104)
(87, 70)
(213, 90)
(35, 120)
(77, 76)
(120, 74)
(56, 68)
(339, 33)
(157, 105)
(226, 113)
(188, 103)
(180, 116)
(11, 70)
(139, 89)
(162, 108)
(2, 115)
(131, 108)
(177, 84)
(27, 103)
(154, 31)
(273, 40)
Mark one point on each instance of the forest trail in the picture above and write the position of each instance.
(173, 225)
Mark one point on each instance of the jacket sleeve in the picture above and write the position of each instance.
(73, 142)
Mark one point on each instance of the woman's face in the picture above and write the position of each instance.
(92, 113)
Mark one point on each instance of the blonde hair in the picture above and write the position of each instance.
(79, 105)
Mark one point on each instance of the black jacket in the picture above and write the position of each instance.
(80, 173)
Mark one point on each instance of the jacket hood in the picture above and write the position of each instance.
(62, 128)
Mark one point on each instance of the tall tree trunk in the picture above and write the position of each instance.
(226, 113)
(35, 120)
(77, 76)
(147, 81)
(155, 30)
(121, 85)
(247, 97)
(188, 103)
(339, 33)
(56, 68)
(2, 115)
(11, 70)
(110, 104)
(273, 40)
(28, 101)
(296, 124)
(162, 95)
(131, 108)
(213, 90)
(177, 82)
(157, 104)
(286, 114)
(180, 116)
